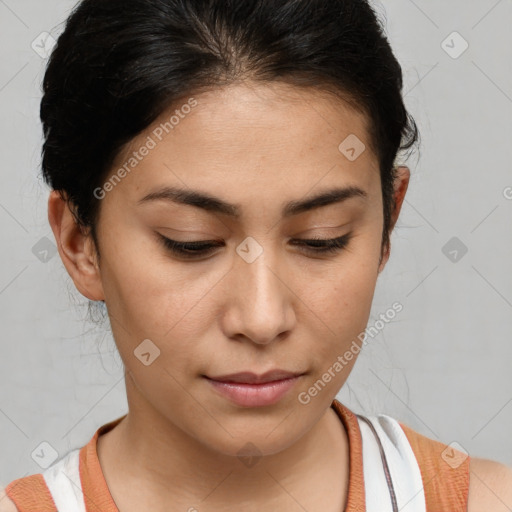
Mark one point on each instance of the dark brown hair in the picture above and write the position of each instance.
(120, 63)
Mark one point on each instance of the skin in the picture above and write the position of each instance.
(259, 147)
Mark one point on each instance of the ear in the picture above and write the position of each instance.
(401, 183)
(76, 248)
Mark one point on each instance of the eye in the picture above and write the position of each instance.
(324, 246)
(202, 248)
(189, 249)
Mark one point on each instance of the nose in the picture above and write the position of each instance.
(260, 303)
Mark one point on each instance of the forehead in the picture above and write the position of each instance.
(253, 139)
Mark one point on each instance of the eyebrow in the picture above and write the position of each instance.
(214, 204)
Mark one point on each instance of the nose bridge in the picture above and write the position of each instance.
(261, 298)
(257, 269)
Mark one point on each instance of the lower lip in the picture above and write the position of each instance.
(254, 395)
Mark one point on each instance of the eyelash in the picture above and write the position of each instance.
(197, 249)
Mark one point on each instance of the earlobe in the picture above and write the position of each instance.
(76, 248)
(384, 258)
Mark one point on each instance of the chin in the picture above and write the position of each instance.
(253, 441)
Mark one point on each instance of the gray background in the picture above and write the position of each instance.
(443, 366)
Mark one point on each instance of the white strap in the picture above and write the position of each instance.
(63, 481)
(404, 472)
(376, 487)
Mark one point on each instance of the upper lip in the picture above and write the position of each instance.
(253, 378)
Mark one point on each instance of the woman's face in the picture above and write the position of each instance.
(257, 301)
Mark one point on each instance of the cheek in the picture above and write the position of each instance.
(339, 306)
(342, 290)
(154, 300)
(341, 316)
(336, 340)
(149, 293)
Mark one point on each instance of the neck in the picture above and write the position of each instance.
(147, 460)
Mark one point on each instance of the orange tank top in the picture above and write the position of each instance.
(445, 486)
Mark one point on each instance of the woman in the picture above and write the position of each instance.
(224, 179)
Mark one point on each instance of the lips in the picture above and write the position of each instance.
(247, 389)
(253, 378)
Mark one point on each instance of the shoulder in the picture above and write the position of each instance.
(6, 505)
(444, 470)
(486, 483)
(23, 492)
(490, 486)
